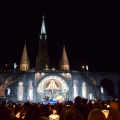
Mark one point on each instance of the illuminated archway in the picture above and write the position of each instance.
(62, 84)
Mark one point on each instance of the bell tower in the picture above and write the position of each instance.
(42, 59)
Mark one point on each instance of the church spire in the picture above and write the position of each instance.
(43, 30)
(24, 55)
(64, 63)
(42, 57)
(64, 55)
(24, 63)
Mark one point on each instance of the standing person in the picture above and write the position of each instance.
(83, 110)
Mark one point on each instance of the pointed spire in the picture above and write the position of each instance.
(64, 63)
(64, 55)
(43, 31)
(24, 62)
(24, 55)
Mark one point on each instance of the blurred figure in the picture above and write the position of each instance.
(84, 102)
(28, 110)
(3, 105)
(114, 113)
(4, 113)
(73, 114)
(83, 110)
(36, 114)
(96, 115)
(97, 105)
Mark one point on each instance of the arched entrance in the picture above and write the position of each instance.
(109, 86)
(52, 87)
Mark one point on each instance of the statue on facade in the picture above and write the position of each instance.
(52, 85)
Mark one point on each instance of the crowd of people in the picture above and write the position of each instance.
(80, 109)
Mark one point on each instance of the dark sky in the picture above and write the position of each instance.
(91, 31)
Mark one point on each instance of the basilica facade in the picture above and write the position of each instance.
(35, 85)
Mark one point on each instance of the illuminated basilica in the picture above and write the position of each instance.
(37, 84)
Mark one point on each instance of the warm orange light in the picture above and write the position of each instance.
(83, 67)
(108, 106)
(54, 117)
(106, 112)
(92, 102)
(53, 68)
(17, 115)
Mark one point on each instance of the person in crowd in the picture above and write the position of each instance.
(36, 114)
(54, 116)
(73, 114)
(84, 102)
(4, 113)
(45, 109)
(3, 105)
(83, 110)
(114, 113)
(96, 114)
(97, 105)
(28, 110)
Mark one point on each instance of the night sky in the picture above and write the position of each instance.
(90, 30)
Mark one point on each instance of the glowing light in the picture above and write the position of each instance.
(102, 90)
(54, 117)
(8, 91)
(86, 67)
(83, 67)
(106, 112)
(17, 115)
(59, 98)
(15, 65)
(20, 91)
(53, 68)
(91, 96)
(108, 106)
(6, 65)
(55, 78)
(84, 90)
(43, 31)
(30, 91)
(75, 90)
(93, 102)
